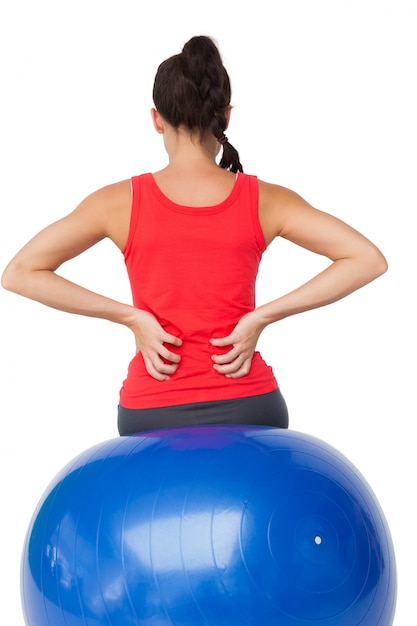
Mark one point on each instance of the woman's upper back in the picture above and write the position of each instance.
(195, 191)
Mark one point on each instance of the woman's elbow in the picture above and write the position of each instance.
(12, 277)
(377, 263)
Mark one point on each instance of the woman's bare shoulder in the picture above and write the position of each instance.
(108, 197)
(277, 195)
(110, 207)
(274, 204)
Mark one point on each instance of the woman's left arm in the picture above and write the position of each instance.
(355, 262)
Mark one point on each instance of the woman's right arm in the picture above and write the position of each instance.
(32, 272)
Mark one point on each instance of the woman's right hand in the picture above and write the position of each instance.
(150, 337)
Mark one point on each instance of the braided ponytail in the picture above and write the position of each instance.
(230, 158)
(192, 89)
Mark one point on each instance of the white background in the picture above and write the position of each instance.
(324, 95)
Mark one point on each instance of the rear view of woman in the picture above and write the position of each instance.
(192, 236)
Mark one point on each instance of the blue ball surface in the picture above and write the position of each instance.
(209, 525)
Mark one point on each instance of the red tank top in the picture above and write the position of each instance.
(194, 268)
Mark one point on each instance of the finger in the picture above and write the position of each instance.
(158, 369)
(230, 367)
(165, 368)
(221, 341)
(242, 371)
(171, 339)
(152, 371)
(169, 356)
(228, 357)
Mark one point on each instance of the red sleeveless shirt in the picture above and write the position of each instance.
(194, 269)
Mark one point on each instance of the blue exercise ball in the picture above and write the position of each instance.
(209, 525)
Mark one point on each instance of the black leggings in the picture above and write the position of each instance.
(268, 409)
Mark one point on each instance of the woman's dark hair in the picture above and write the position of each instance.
(192, 89)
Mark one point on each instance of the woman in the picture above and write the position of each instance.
(192, 236)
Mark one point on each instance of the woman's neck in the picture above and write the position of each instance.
(188, 150)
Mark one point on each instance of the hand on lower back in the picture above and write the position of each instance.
(236, 362)
(155, 344)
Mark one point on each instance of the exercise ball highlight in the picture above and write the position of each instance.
(209, 525)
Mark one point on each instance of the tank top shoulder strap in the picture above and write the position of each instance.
(137, 186)
(252, 199)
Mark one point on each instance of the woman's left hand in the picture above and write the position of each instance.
(236, 363)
